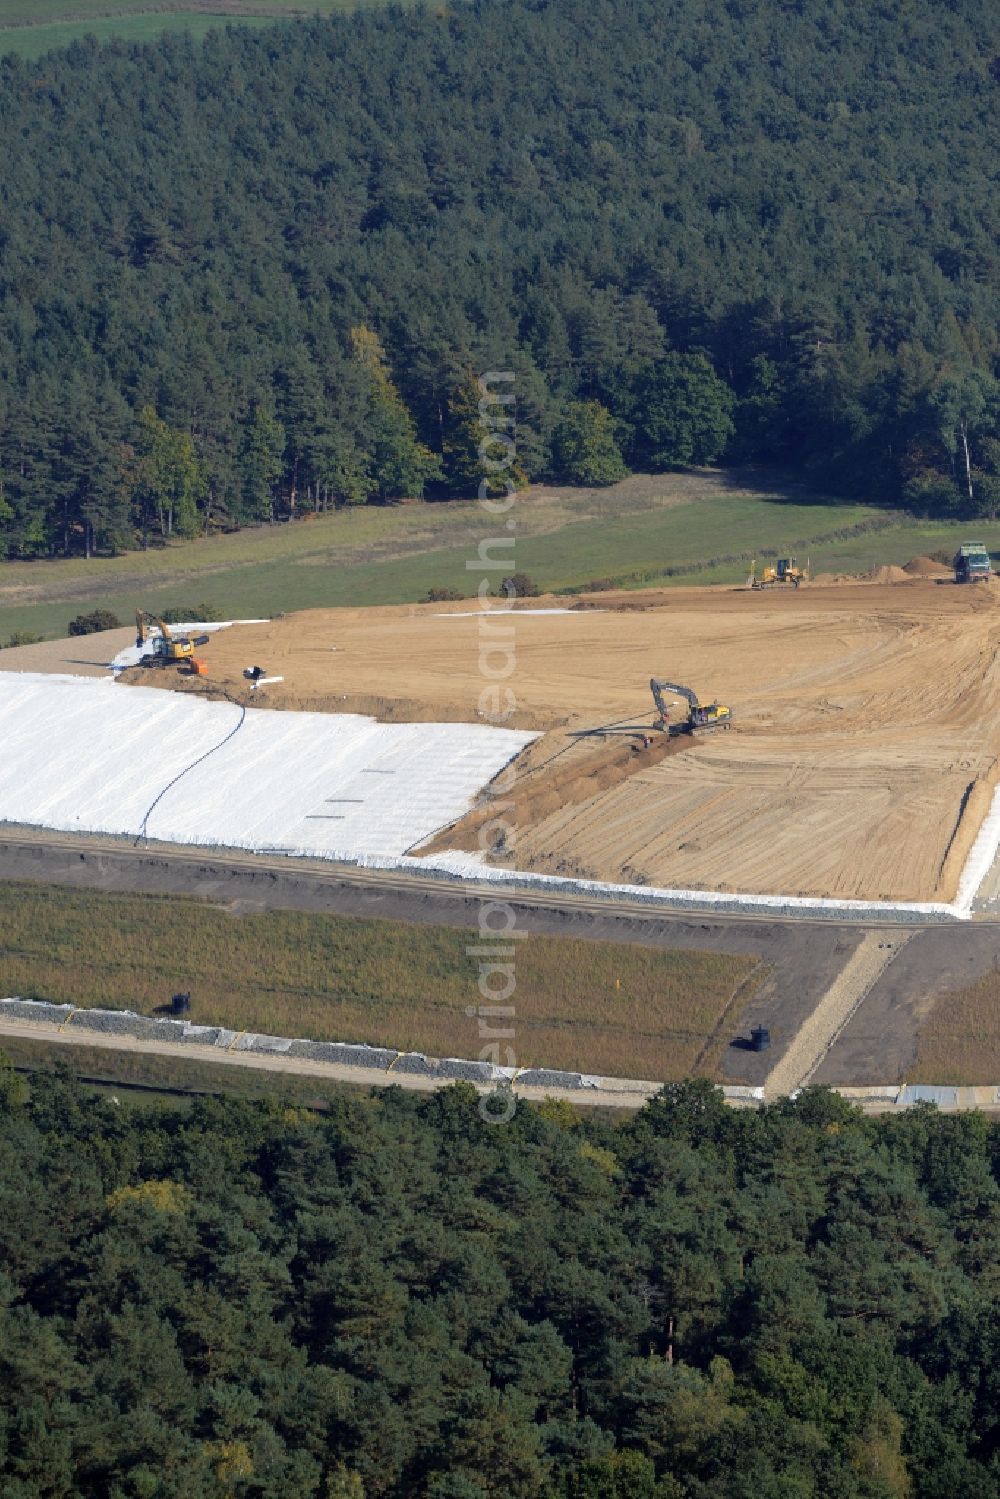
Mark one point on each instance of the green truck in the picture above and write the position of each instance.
(972, 563)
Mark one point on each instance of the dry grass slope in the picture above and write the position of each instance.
(960, 1040)
(593, 1006)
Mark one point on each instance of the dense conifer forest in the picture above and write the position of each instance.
(260, 275)
(396, 1298)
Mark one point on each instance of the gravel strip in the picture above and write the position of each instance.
(807, 1049)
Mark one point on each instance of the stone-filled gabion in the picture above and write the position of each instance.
(340, 1053)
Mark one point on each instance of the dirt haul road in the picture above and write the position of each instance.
(861, 761)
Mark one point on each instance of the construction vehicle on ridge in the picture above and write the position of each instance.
(168, 649)
(785, 570)
(972, 563)
(699, 715)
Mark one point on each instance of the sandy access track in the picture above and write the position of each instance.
(860, 765)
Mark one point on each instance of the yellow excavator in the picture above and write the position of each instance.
(699, 715)
(785, 570)
(168, 649)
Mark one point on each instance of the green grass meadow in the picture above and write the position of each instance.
(42, 12)
(670, 529)
(31, 42)
(32, 29)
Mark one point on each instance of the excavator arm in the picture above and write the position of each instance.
(143, 619)
(658, 688)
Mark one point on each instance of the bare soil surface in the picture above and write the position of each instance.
(862, 757)
(78, 656)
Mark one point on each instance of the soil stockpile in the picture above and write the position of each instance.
(926, 567)
(889, 574)
(863, 749)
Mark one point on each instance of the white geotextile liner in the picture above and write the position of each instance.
(80, 754)
(981, 857)
(308, 784)
(473, 866)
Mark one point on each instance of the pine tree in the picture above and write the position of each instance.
(261, 464)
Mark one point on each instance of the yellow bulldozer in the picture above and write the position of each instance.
(168, 649)
(785, 570)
